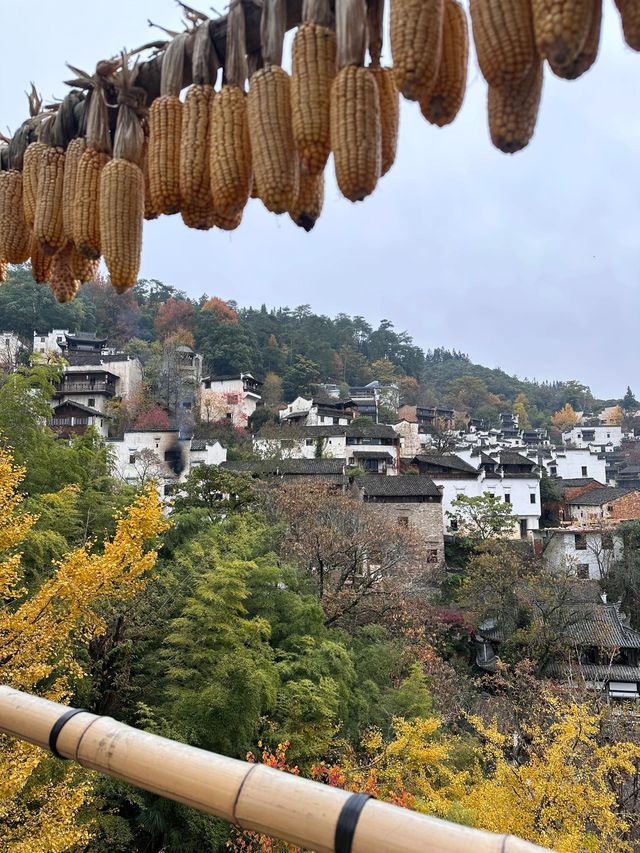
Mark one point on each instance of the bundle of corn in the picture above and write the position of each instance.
(165, 131)
(313, 68)
(32, 158)
(630, 14)
(122, 187)
(75, 150)
(40, 263)
(97, 153)
(443, 103)
(15, 234)
(308, 205)
(62, 282)
(388, 94)
(589, 53)
(356, 136)
(196, 202)
(561, 28)
(504, 38)
(230, 167)
(273, 151)
(513, 110)
(416, 45)
(48, 228)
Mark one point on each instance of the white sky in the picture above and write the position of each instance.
(529, 263)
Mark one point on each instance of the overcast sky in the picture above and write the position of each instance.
(529, 263)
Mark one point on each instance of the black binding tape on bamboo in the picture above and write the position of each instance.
(348, 821)
(57, 727)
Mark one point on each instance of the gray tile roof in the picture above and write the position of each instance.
(510, 457)
(599, 497)
(88, 409)
(370, 431)
(444, 460)
(601, 626)
(403, 485)
(288, 467)
(372, 454)
(595, 672)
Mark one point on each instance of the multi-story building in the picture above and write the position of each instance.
(590, 551)
(10, 348)
(234, 397)
(322, 410)
(603, 438)
(608, 504)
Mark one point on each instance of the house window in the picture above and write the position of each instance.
(584, 470)
(507, 498)
(580, 541)
(553, 470)
(532, 497)
(132, 458)
(91, 402)
(610, 508)
(607, 542)
(309, 442)
(229, 416)
(432, 555)
(186, 405)
(583, 571)
(403, 521)
(453, 524)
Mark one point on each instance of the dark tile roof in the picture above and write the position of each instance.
(202, 443)
(288, 467)
(575, 483)
(75, 405)
(601, 626)
(598, 497)
(227, 377)
(370, 431)
(373, 454)
(511, 457)
(403, 485)
(443, 460)
(630, 469)
(593, 672)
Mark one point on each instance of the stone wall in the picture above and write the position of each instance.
(423, 518)
(625, 508)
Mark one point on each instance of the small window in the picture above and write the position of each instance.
(403, 521)
(453, 524)
(580, 541)
(309, 442)
(432, 555)
(610, 508)
(583, 571)
(607, 542)
(584, 470)
(553, 470)
(132, 458)
(91, 402)
(229, 416)
(608, 435)
(532, 497)
(507, 498)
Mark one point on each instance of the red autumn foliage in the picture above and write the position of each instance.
(225, 313)
(154, 418)
(173, 315)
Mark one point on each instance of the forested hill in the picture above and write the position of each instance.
(295, 348)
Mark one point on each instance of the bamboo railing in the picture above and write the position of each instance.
(252, 796)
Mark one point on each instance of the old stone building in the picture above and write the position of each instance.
(606, 504)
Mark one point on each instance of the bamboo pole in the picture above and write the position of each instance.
(252, 796)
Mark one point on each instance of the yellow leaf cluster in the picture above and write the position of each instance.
(38, 638)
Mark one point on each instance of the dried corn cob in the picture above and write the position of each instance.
(308, 205)
(356, 132)
(273, 153)
(389, 98)
(86, 227)
(48, 227)
(74, 152)
(165, 130)
(83, 269)
(15, 235)
(504, 38)
(195, 184)
(444, 103)
(121, 216)
(62, 283)
(4, 269)
(30, 174)
(630, 14)
(230, 152)
(149, 211)
(561, 28)
(227, 223)
(313, 58)
(589, 52)
(416, 45)
(513, 111)
(40, 263)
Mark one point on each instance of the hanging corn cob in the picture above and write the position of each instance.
(4, 268)
(74, 152)
(444, 102)
(589, 52)
(165, 131)
(195, 182)
(308, 205)
(40, 263)
(15, 234)
(416, 45)
(388, 95)
(313, 68)
(86, 221)
(513, 110)
(48, 227)
(30, 174)
(630, 15)
(149, 211)
(355, 108)
(504, 39)
(273, 152)
(61, 280)
(83, 269)
(230, 148)
(122, 187)
(561, 28)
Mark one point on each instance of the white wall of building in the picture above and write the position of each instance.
(572, 464)
(48, 344)
(227, 399)
(560, 552)
(602, 435)
(129, 373)
(10, 346)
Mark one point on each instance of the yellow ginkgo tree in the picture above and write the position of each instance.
(39, 635)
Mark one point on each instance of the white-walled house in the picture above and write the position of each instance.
(10, 348)
(50, 343)
(70, 419)
(204, 451)
(590, 552)
(571, 463)
(606, 437)
(318, 411)
(234, 397)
